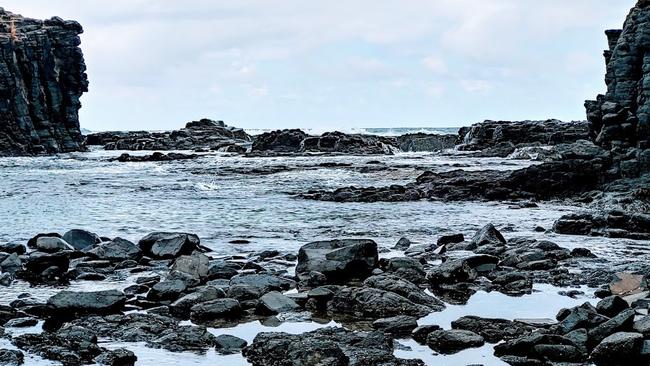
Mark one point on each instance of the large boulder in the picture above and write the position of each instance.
(453, 341)
(619, 349)
(81, 239)
(117, 250)
(69, 304)
(339, 260)
(373, 303)
(166, 245)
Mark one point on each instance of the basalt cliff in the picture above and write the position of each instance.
(42, 77)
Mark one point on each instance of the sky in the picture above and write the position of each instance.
(323, 64)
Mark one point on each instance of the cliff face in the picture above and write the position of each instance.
(42, 77)
(621, 117)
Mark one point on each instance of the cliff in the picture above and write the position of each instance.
(42, 77)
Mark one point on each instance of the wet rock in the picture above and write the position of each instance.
(620, 323)
(406, 268)
(611, 306)
(450, 239)
(182, 307)
(216, 309)
(227, 344)
(117, 357)
(404, 288)
(133, 327)
(642, 326)
(619, 349)
(280, 141)
(612, 224)
(6, 279)
(69, 304)
(11, 264)
(366, 302)
(488, 235)
(527, 346)
(327, 346)
(195, 265)
(157, 156)
(165, 245)
(117, 250)
(339, 260)
(21, 322)
(48, 244)
(493, 330)
(81, 239)
(166, 290)
(10, 357)
(398, 325)
(71, 345)
(583, 316)
(14, 248)
(36, 263)
(262, 283)
(453, 341)
(185, 338)
(421, 333)
(222, 270)
(275, 303)
(402, 244)
(461, 270)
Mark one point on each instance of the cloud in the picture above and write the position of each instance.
(475, 86)
(435, 64)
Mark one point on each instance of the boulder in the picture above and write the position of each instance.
(69, 304)
(164, 245)
(453, 341)
(339, 260)
(81, 239)
(275, 303)
(622, 348)
(117, 250)
(195, 266)
(398, 325)
(168, 290)
(48, 244)
(216, 309)
(182, 307)
(226, 344)
(367, 302)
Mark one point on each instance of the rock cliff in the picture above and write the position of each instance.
(42, 77)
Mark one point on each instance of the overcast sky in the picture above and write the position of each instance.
(155, 64)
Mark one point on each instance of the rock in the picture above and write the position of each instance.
(326, 346)
(157, 156)
(195, 265)
(404, 288)
(216, 309)
(40, 110)
(461, 270)
(164, 245)
(262, 283)
(48, 244)
(13, 248)
(619, 349)
(183, 306)
(339, 260)
(583, 316)
(166, 290)
(398, 325)
(6, 279)
(11, 264)
(611, 306)
(627, 284)
(450, 239)
(620, 323)
(493, 330)
(366, 302)
(425, 142)
(406, 268)
(81, 239)
(402, 244)
(10, 357)
(21, 322)
(280, 141)
(117, 357)
(453, 341)
(227, 344)
(421, 333)
(488, 235)
(185, 338)
(222, 270)
(611, 224)
(70, 345)
(117, 250)
(642, 326)
(200, 135)
(69, 304)
(275, 303)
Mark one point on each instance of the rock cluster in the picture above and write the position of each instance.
(201, 135)
(502, 138)
(42, 77)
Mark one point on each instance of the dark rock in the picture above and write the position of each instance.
(453, 341)
(14, 248)
(41, 80)
(157, 156)
(488, 235)
(620, 323)
(280, 141)
(166, 290)
(117, 250)
(185, 338)
(642, 326)
(493, 330)
(228, 344)
(398, 325)
(71, 345)
(402, 244)
(450, 239)
(81, 239)
(275, 303)
(262, 283)
(21, 322)
(583, 316)
(48, 244)
(327, 346)
(421, 333)
(183, 306)
(339, 260)
(619, 349)
(117, 357)
(611, 306)
(612, 224)
(366, 302)
(69, 304)
(222, 270)
(216, 309)
(168, 245)
(10, 357)
(11, 264)
(404, 288)
(195, 266)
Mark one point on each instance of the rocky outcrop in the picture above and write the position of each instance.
(204, 134)
(502, 138)
(297, 142)
(42, 77)
(620, 119)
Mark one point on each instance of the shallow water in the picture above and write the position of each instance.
(219, 198)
